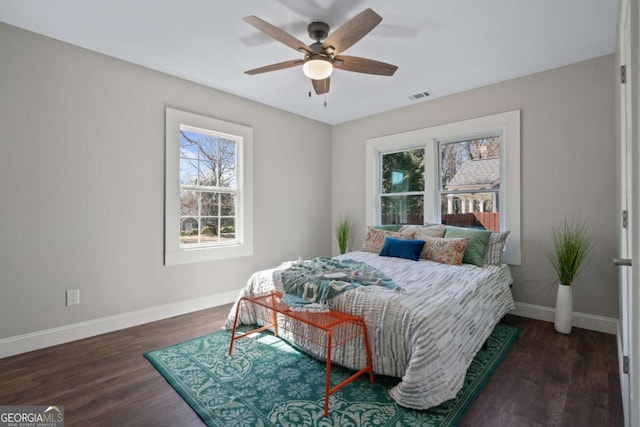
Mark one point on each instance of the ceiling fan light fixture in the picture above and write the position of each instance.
(317, 69)
(320, 57)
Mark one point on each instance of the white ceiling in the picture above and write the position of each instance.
(440, 46)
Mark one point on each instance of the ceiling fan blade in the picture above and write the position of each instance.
(321, 86)
(277, 33)
(275, 67)
(363, 65)
(352, 31)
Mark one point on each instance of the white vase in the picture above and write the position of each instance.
(564, 310)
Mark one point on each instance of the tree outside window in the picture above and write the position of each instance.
(402, 195)
(207, 187)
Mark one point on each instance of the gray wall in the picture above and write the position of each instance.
(568, 168)
(82, 185)
(82, 164)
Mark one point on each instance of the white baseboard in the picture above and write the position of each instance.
(579, 320)
(63, 334)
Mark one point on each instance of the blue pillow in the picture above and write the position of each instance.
(399, 248)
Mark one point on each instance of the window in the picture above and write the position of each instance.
(465, 173)
(208, 187)
(469, 176)
(208, 206)
(402, 187)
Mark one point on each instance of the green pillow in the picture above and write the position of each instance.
(478, 240)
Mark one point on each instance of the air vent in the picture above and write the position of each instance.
(420, 95)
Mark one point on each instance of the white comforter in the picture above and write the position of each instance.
(427, 333)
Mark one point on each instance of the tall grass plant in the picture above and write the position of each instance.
(342, 233)
(571, 245)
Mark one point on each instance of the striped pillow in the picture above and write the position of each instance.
(495, 246)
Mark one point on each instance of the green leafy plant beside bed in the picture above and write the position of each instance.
(571, 244)
(342, 233)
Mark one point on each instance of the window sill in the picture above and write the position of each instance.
(207, 253)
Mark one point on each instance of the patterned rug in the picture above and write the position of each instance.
(267, 382)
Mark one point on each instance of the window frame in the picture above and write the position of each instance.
(506, 124)
(243, 135)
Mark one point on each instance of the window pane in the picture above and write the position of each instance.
(209, 204)
(208, 148)
(188, 203)
(227, 175)
(206, 175)
(227, 204)
(188, 231)
(208, 160)
(188, 171)
(402, 210)
(227, 228)
(188, 217)
(403, 171)
(227, 151)
(470, 165)
(209, 230)
(477, 210)
(188, 145)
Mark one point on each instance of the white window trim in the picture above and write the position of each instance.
(173, 253)
(507, 124)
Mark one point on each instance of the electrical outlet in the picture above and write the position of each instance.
(73, 296)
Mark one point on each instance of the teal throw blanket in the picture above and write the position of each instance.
(307, 285)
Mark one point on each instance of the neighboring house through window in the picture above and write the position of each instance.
(208, 207)
(464, 173)
(470, 174)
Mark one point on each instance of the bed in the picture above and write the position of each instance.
(425, 333)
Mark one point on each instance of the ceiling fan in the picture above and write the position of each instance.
(321, 57)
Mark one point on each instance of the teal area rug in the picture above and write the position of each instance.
(267, 382)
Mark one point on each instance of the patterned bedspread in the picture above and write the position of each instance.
(427, 333)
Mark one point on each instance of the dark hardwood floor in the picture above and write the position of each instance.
(550, 379)
(547, 379)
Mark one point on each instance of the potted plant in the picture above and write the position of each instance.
(571, 245)
(342, 233)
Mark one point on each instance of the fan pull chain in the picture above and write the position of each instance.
(309, 80)
(325, 101)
